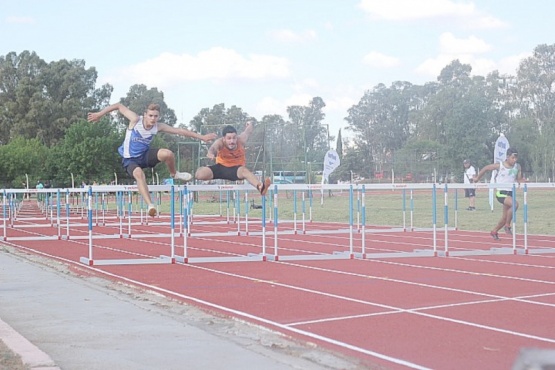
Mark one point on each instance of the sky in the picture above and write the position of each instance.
(265, 55)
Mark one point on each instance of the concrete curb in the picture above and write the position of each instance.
(30, 354)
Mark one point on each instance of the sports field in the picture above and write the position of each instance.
(382, 276)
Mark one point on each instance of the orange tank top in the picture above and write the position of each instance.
(231, 158)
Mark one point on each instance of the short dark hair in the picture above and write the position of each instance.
(229, 130)
(511, 151)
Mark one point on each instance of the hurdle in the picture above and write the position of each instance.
(187, 234)
(162, 259)
(276, 252)
(526, 249)
(514, 248)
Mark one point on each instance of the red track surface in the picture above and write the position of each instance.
(472, 312)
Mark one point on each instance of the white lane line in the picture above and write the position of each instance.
(392, 308)
(238, 313)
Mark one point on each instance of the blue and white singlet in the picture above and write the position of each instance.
(137, 140)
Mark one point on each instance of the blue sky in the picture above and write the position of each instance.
(265, 55)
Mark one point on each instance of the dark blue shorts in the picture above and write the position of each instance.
(469, 193)
(147, 160)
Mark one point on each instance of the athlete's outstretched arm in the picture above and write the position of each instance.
(164, 127)
(247, 132)
(128, 113)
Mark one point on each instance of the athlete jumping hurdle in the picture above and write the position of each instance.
(136, 151)
(229, 153)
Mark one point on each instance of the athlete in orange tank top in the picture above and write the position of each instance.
(229, 154)
(229, 158)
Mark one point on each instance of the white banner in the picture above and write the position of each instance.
(331, 162)
(499, 155)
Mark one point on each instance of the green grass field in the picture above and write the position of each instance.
(385, 208)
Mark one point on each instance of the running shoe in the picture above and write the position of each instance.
(263, 187)
(184, 176)
(508, 230)
(152, 210)
(494, 235)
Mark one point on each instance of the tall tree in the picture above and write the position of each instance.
(381, 123)
(139, 97)
(311, 135)
(339, 145)
(535, 90)
(22, 157)
(43, 100)
(89, 152)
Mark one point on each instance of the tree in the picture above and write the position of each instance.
(139, 97)
(461, 116)
(43, 100)
(89, 152)
(20, 157)
(216, 118)
(339, 145)
(311, 139)
(381, 123)
(535, 90)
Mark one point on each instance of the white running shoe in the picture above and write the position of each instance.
(184, 176)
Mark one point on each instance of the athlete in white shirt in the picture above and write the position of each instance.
(508, 172)
(136, 151)
(470, 193)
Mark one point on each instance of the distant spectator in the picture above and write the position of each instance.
(470, 193)
(39, 195)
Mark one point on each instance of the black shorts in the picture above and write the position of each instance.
(501, 195)
(225, 173)
(469, 193)
(147, 160)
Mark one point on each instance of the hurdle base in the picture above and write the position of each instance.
(247, 258)
(414, 253)
(130, 261)
(536, 251)
(483, 252)
(311, 257)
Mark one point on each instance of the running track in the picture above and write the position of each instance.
(473, 312)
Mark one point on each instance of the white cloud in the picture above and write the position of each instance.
(406, 10)
(289, 36)
(399, 10)
(20, 20)
(270, 105)
(510, 64)
(486, 22)
(465, 50)
(216, 64)
(433, 66)
(307, 83)
(449, 44)
(379, 60)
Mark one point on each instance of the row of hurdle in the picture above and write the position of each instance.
(60, 213)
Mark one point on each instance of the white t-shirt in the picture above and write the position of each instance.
(506, 175)
(469, 173)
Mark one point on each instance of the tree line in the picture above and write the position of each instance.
(398, 129)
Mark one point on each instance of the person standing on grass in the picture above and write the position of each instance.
(508, 172)
(470, 193)
(136, 151)
(229, 154)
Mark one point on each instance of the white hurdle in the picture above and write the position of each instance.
(162, 259)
